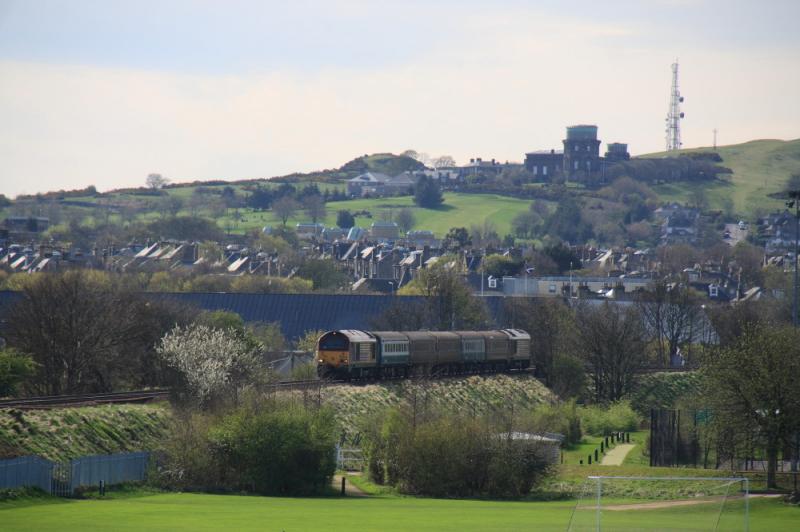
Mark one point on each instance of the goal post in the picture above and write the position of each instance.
(662, 503)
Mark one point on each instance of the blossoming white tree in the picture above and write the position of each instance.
(214, 363)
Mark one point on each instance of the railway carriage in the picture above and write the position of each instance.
(354, 354)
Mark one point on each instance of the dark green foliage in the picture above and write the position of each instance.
(322, 273)
(264, 447)
(564, 258)
(752, 383)
(663, 390)
(185, 228)
(427, 193)
(15, 368)
(567, 223)
(450, 456)
(345, 219)
(500, 265)
(457, 237)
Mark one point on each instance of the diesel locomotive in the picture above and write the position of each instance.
(353, 354)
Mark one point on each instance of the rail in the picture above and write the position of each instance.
(57, 401)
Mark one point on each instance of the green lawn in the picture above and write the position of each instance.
(458, 210)
(231, 512)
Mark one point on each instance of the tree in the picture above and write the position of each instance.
(501, 266)
(449, 301)
(345, 219)
(611, 339)
(551, 323)
(87, 334)
(567, 223)
(753, 383)
(526, 224)
(156, 181)
(284, 208)
(15, 369)
(323, 274)
(315, 207)
(444, 161)
(672, 315)
(427, 193)
(405, 219)
(456, 237)
(214, 363)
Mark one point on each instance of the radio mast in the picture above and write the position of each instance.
(674, 117)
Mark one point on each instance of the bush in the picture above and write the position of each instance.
(562, 418)
(270, 448)
(602, 420)
(450, 456)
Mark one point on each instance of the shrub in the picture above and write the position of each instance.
(264, 447)
(451, 456)
(281, 452)
(601, 420)
(562, 418)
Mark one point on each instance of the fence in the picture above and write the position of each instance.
(26, 471)
(63, 479)
(349, 459)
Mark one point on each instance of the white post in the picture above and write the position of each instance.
(599, 491)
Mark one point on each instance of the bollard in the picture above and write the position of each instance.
(590, 459)
(595, 455)
(606, 441)
(343, 481)
(581, 461)
(602, 449)
(612, 437)
(102, 488)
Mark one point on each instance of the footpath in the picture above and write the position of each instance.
(616, 455)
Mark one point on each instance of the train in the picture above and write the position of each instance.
(354, 354)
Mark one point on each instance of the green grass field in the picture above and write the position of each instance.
(176, 511)
(458, 210)
(760, 167)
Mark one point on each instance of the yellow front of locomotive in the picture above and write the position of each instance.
(333, 350)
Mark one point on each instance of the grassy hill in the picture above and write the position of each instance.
(458, 210)
(760, 167)
(66, 433)
(471, 395)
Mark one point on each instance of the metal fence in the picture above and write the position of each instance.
(63, 479)
(26, 471)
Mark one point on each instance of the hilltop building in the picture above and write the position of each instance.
(580, 159)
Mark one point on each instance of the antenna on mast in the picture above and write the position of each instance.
(674, 116)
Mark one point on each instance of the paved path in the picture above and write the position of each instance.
(617, 455)
(349, 488)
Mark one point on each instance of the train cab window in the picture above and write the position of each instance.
(333, 343)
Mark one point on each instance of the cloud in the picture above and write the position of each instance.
(498, 86)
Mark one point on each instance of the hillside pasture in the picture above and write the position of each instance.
(760, 168)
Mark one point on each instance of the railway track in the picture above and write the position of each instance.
(145, 396)
(60, 401)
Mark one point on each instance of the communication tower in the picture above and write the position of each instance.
(674, 117)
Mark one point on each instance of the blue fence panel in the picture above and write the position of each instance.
(111, 469)
(26, 471)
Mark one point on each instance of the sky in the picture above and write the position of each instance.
(106, 92)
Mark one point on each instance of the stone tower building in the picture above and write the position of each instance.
(581, 151)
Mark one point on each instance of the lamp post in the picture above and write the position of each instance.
(794, 201)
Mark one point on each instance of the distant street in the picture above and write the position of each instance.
(736, 234)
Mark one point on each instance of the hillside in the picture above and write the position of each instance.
(66, 433)
(458, 210)
(760, 167)
(471, 395)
